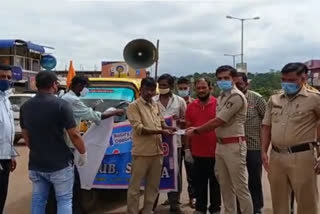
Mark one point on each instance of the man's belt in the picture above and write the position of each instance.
(293, 149)
(228, 140)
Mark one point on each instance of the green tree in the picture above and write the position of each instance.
(265, 84)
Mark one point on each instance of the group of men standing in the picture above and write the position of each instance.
(215, 160)
(222, 147)
(227, 140)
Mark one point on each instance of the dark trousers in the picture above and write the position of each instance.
(174, 197)
(254, 165)
(188, 166)
(76, 199)
(203, 173)
(5, 166)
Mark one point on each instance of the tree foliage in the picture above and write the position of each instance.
(265, 84)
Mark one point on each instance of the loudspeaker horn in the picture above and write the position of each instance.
(140, 53)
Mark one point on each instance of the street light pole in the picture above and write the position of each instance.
(233, 58)
(242, 26)
(242, 21)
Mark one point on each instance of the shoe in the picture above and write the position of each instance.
(166, 203)
(192, 203)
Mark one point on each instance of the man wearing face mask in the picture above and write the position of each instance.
(203, 149)
(255, 114)
(78, 88)
(175, 106)
(290, 125)
(231, 152)
(7, 151)
(183, 86)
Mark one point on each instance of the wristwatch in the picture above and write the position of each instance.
(196, 131)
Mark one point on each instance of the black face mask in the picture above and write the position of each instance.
(204, 98)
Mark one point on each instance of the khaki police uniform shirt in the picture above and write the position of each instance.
(145, 115)
(232, 109)
(293, 120)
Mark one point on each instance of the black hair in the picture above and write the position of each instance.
(203, 79)
(45, 79)
(225, 68)
(148, 82)
(183, 80)
(298, 67)
(167, 77)
(5, 67)
(82, 80)
(243, 76)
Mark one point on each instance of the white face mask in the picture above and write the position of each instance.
(164, 91)
(84, 92)
(184, 93)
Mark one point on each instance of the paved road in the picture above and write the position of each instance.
(19, 196)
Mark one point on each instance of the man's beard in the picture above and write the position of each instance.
(243, 90)
(204, 98)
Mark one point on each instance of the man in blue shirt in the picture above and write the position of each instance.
(7, 152)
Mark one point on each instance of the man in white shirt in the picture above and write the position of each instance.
(7, 151)
(78, 88)
(175, 106)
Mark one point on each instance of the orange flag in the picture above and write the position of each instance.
(71, 74)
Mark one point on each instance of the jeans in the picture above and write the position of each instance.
(62, 181)
(4, 181)
(76, 200)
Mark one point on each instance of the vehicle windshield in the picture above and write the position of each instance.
(103, 98)
(17, 102)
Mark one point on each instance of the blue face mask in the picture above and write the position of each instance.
(5, 85)
(290, 87)
(224, 85)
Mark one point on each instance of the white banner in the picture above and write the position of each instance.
(96, 140)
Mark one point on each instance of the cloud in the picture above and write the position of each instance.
(194, 35)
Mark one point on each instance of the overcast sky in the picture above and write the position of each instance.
(194, 35)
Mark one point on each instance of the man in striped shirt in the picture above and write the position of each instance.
(255, 114)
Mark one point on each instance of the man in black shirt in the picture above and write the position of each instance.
(43, 120)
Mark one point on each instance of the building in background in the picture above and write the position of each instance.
(25, 58)
(64, 73)
(121, 69)
(314, 76)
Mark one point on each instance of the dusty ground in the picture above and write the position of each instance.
(18, 201)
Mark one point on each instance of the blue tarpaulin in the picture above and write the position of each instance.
(10, 43)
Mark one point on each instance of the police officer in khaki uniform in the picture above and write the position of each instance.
(290, 124)
(231, 152)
